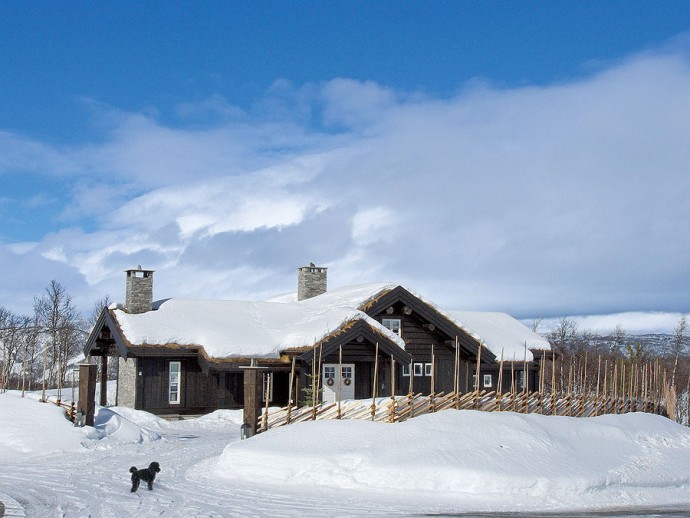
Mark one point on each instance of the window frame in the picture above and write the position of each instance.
(418, 366)
(428, 369)
(177, 384)
(406, 370)
(384, 320)
(491, 380)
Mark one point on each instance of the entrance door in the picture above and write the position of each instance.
(332, 378)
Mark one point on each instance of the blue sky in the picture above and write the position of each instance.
(528, 157)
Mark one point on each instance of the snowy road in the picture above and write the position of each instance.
(96, 482)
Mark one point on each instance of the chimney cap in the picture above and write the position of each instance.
(138, 269)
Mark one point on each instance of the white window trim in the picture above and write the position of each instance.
(177, 400)
(490, 377)
(406, 370)
(388, 320)
(418, 369)
(428, 369)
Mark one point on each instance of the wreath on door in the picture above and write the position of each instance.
(347, 382)
(330, 382)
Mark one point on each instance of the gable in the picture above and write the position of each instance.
(360, 330)
(400, 299)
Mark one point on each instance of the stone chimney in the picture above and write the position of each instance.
(139, 290)
(311, 281)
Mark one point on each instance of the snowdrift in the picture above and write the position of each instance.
(468, 453)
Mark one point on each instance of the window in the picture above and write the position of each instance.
(347, 374)
(474, 381)
(406, 370)
(267, 376)
(428, 369)
(521, 379)
(487, 380)
(329, 372)
(392, 323)
(174, 375)
(419, 369)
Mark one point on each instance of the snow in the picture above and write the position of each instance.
(501, 333)
(450, 462)
(240, 329)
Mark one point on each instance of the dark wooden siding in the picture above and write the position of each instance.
(198, 392)
(419, 340)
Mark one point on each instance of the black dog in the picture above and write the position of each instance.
(148, 475)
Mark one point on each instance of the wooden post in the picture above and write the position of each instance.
(596, 397)
(313, 385)
(570, 386)
(542, 382)
(432, 407)
(391, 416)
(24, 376)
(268, 397)
(512, 383)
(499, 388)
(340, 376)
(615, 388)
(526, 378)
(104, 380)
(292, 381)
(88, 376)
(476, 377)
(553, 382)
(253, 387)
(376, 382)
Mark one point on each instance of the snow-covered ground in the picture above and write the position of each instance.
(446, 463)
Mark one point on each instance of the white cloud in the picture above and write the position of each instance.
(541, 201)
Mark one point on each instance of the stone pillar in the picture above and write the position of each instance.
(88, 376)
(126, 382)
(253, 386)
(311, 281)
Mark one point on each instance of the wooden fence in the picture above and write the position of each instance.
(401, 408)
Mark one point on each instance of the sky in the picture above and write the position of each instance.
(527, 157)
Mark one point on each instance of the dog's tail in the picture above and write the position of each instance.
(133, 469)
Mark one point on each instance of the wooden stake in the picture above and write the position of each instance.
(392, 407)
(596, 397)
(433, 387)
(457, 375)
(340, 376)
(376, 381)
(499, 388)
(268, 396)
(292, 380)
(476, 386)
(553, 382)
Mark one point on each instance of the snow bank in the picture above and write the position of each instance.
(478, 454)
(32, 428)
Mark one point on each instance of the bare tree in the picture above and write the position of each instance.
(59, 321)
(677, 345)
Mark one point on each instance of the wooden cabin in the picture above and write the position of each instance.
(187, 357)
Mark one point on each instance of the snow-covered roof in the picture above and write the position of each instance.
(241, 329)
(354, 296)
(500, 333)
(228, 328)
